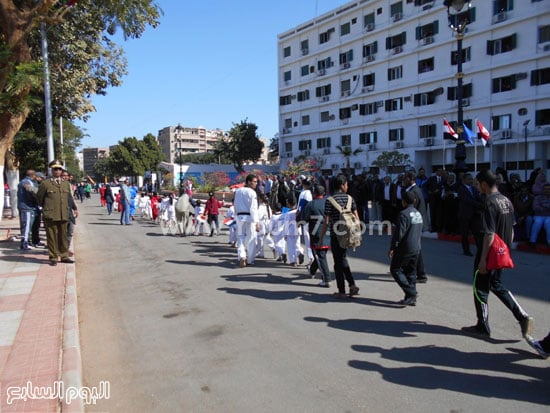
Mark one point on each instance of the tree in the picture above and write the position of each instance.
(243, 144)
(84, 61)
(133, 157)
(392, 162)
(347, 153)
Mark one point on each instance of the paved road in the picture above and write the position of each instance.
(174, 325)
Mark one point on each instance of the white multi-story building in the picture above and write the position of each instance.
(381, 75)
(173, 139)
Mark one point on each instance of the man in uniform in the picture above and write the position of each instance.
(53, 197)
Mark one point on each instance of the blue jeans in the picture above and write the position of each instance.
(125, 215)
(538, 222)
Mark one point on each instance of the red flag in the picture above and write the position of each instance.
(484, 133)
(448, 131)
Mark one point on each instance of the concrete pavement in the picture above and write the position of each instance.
(39, 340)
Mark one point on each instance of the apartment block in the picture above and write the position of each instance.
(381, 75)
(173, 139)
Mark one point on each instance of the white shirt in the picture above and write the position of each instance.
(246, 204)
(305, 195)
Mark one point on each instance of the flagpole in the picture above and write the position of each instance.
(475, 149)
(443, 153)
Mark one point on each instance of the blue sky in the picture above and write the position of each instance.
(209, 63)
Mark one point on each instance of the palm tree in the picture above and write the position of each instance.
(347, 153)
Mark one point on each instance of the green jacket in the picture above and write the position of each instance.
(54, 199)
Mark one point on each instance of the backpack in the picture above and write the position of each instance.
(348, 227)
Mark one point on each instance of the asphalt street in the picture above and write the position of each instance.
(174, 325)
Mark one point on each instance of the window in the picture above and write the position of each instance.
(305, 120)
(503, 45)
(345, 113)
(288, 146)
(421, 2)
(368, 109)
(288, 123)
(426, 65)
(368, 21)
(304, 45)
(544, 34)
(325, 36)
(396, 9)
(427, 131)
(368, 80)
(452, 92)
(304, 70)
(324, 64)
(322, 91)
(286, 51)
(504, 84)
(423, 99)
(502, 5)
(345, 29)
(368, 137)
(465, 56)
(287, 75)
(304, 145)
(427, 30)
(303, 95)
(346, 57)
(345, 87)
(540, 76)
(325, 116)
(323, 143)
(370, 49)
(396, 134)
(468, 15)
(501, 122)
(395, 72)
(396, 41)
(285, 100)
(345, 140)
(542, 117)
(394, 104)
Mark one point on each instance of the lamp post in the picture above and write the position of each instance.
(457, 23)
(179, 130)
(525, 148)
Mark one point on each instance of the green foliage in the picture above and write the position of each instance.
(347, 153)
(392, 162)
(133, 157)
(241, 146)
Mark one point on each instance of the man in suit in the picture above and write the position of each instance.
(53, 196)
(435, 187)
(469, 212)
(387, 197)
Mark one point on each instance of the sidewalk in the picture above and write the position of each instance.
(39, 339)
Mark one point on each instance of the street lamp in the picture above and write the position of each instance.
(179, 131)
(457, 23)
(525, 148)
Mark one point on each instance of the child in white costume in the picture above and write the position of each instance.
(200, 220)
(292, 235)
(277, 231)
(232, 225)
(263, 237)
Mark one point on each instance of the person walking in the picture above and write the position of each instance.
(109, 199)
(342, 270)
(405, 248)
(72, 217)
(27, 206)
(212, 210)
(35, 230)
(246, 210)
(469, 212)
(125, 202)
(53, 195)
(498, 218)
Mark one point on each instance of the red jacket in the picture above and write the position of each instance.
(213, 206)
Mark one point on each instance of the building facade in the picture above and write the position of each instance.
(381, 75)
(89, 158)
(173, 139)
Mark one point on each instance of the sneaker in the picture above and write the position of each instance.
(242, 263)
(353, 290)
(538, 347)
(476, 330)
(301, 258)
(284, 258)
(25, 247)
(340, 296)
(526, 325)
(422, 280)
(324, 284)
(39, 245)
(408, 301)
(279, 259)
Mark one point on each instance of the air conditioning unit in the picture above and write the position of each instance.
(428, 40)
(368, 59)
(371, 147)
(427, 7)
(369, 27)
(546, 48)
(287, 130)
(287, 82)
(366, 89)
(326, 151)
(397, 50)
(379, 103)
(345, 121)
(506, 134)
(288, 155)
(346, 66)
(521, 76)
(429, 142)
(325, 98)
(465, 102)
(335, 166)
(500, 17)
(398, 145)
(305, 52)
(357, 165)
(345, 93)
(396, 17)
(321, 72)
(306, 153)
(332, 117)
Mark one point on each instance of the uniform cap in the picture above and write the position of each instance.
(55, 164)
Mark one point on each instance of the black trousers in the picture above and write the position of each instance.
(341, 266)
(403, 270)
(320, 262)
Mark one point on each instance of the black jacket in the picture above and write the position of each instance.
(407, 235)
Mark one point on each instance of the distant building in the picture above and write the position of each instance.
(381, 75)
(89, 158)
(187, 140)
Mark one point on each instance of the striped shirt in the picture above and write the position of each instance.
(342, 200)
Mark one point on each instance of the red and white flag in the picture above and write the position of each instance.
(483, 133)
(448, 131)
